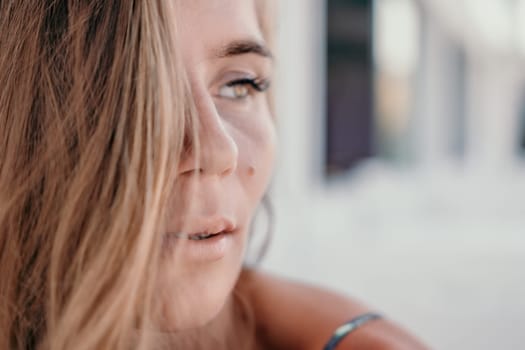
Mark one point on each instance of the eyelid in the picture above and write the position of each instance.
(254, 86)
(258, 84)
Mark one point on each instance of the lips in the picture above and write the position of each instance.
(198, 236)
(203, 229)
(207, 239)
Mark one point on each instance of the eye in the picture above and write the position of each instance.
(243, 88)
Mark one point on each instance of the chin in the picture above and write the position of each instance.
(198, 299)
(198, 312)
(194, 295)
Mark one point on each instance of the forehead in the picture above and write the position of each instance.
(210, 23)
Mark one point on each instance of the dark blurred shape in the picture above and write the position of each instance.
(349, 102)
(522, 126)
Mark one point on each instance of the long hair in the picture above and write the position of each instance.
(95, 113)
(89, 140)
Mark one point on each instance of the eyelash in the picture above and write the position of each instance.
(259, 85)
(253, 85)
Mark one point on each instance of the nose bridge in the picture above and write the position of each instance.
(218, 152)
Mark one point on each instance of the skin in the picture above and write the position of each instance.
(235, 165)
(238, 142)
(294, 315)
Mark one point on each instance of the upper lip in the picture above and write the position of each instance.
(209, 226)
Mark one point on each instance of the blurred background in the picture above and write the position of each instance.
(401, 176)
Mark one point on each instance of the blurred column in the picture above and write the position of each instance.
(492, 110)
(439, 106)
(397, 46)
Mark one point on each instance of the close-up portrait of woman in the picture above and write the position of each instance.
(138, 141)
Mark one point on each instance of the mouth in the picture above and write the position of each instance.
(199, 236)
(205, 229)
(208, 239)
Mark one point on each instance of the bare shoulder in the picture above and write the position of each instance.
(297, 315)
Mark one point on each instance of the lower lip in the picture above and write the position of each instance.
(204, 250)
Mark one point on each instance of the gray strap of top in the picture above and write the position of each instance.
(348, 327)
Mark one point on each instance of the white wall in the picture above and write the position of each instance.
(439, 248)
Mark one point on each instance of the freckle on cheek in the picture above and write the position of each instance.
(251, 171)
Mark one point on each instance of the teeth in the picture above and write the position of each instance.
(198, 237)
(201, 236)
(195, 237)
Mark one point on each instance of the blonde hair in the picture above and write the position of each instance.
(94, 115)
(89, 140)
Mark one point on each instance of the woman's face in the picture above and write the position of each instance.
(228, 67)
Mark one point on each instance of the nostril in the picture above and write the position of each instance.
(191, 172)
(227, 172)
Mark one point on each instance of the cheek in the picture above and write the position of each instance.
(257, 144)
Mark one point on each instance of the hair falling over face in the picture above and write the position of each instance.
(94, 114)
(88, 141)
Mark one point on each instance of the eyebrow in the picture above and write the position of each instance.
(244, 47)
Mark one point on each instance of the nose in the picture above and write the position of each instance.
(218, 153)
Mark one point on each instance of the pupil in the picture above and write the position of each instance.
(240, 90)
